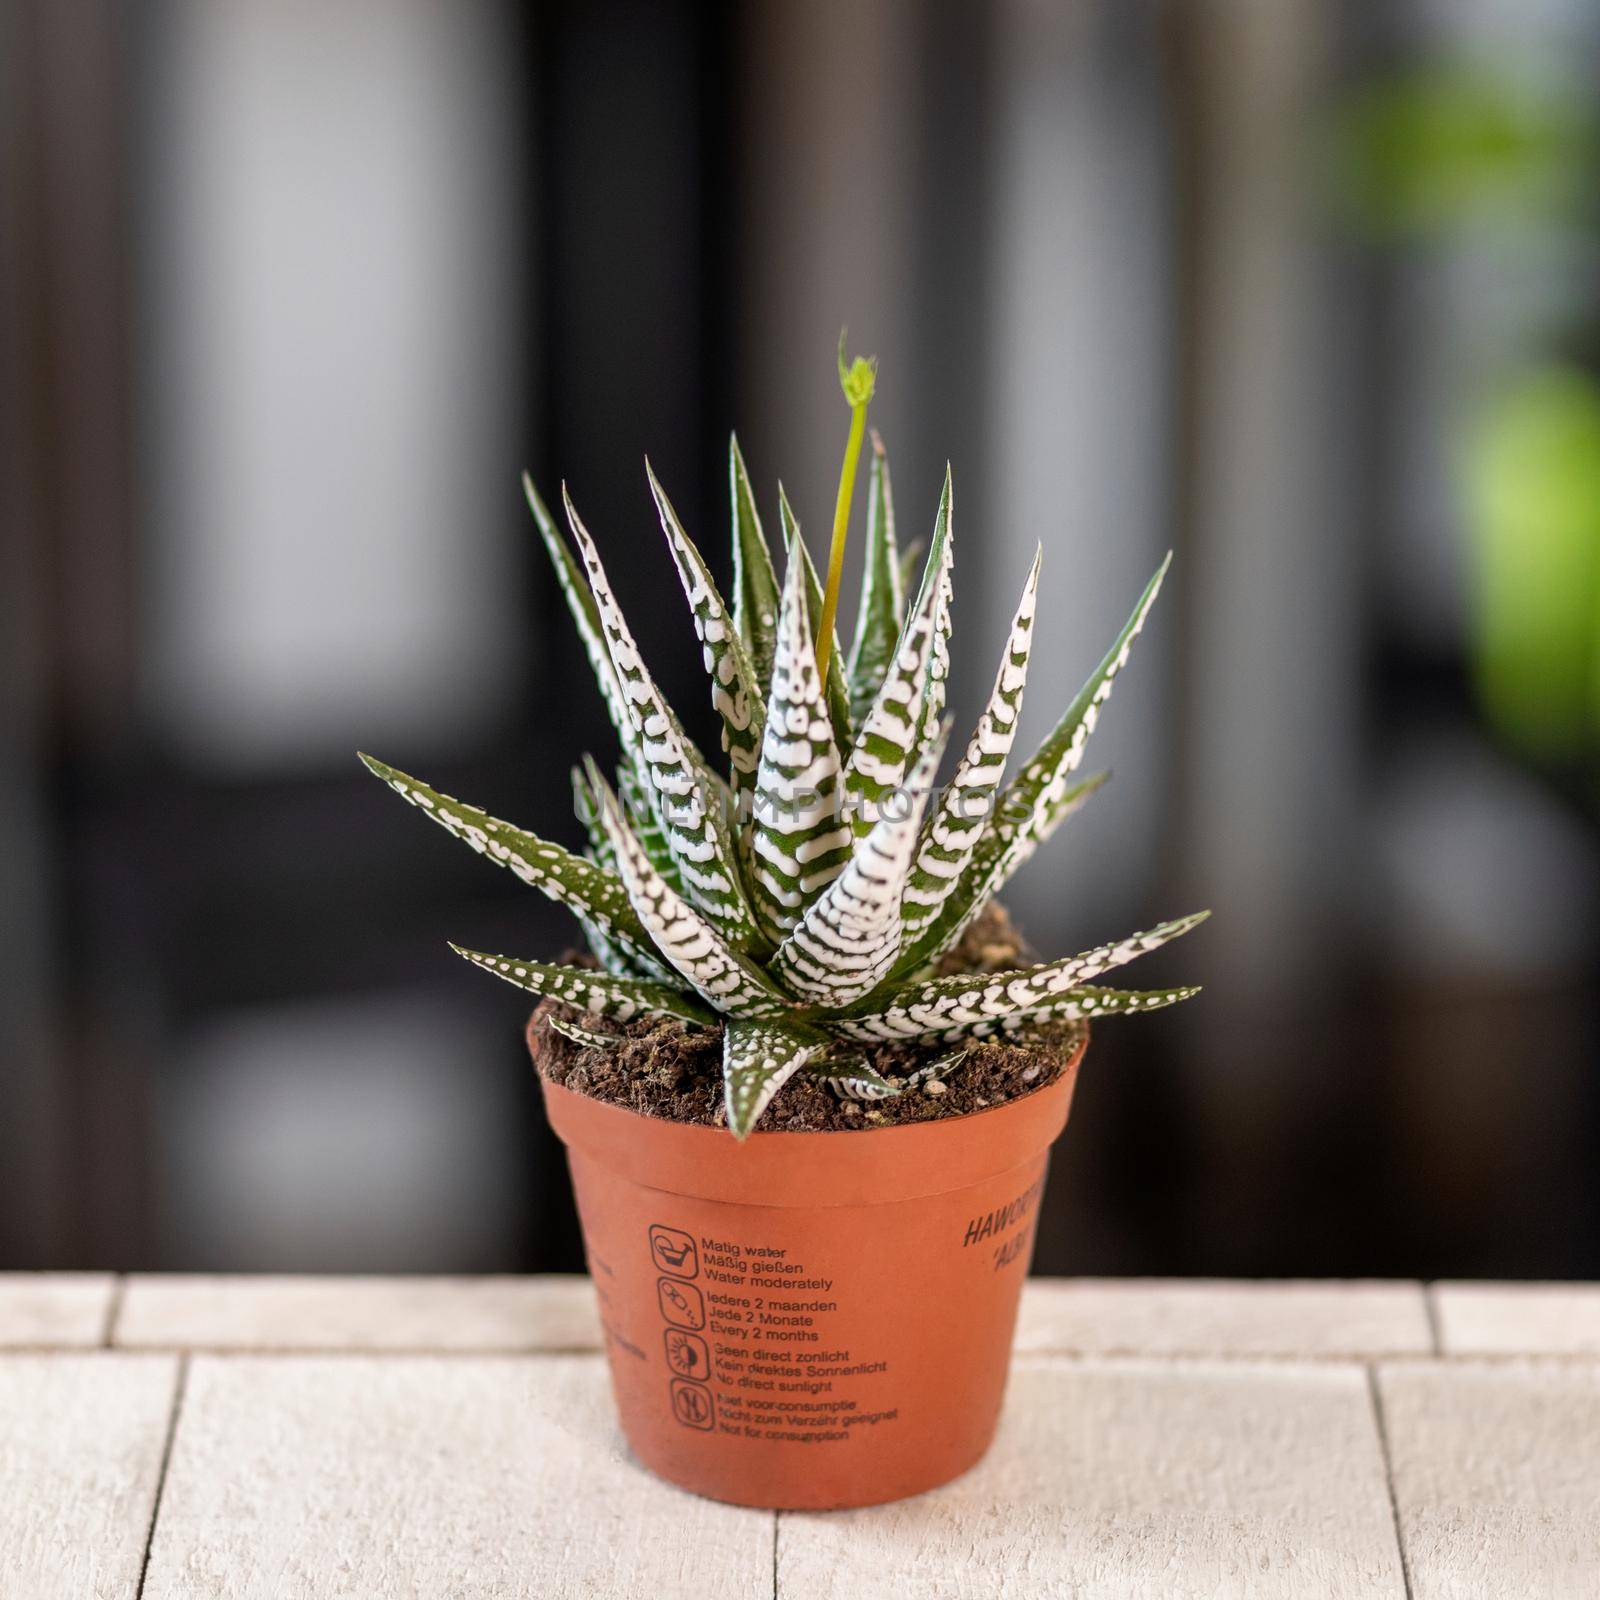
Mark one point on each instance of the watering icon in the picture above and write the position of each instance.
(674, 1252)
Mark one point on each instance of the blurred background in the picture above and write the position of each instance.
(290, 292)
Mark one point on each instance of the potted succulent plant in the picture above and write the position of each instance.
(818, 1311)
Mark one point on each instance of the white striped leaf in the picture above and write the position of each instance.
(851, 1078)
(688, 940)
(735, 692)
(798, 843)
(634, 792)
(966, 804)
(896, 726)
(598, 897)
(845, 944)
(882, 608)
(682, 791)
(837, 693)
(1030, 797)
(612, 956)
(755, 584)
(605, 995)
(1024, 987)
(910, 561)
(589, 1038)
(938, 1070)
(1036, 801)
(988, 1011)
(758, 1058)
(586, 807)
(585, 613)
(994, 860)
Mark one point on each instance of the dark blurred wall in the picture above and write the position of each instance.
(292, 293)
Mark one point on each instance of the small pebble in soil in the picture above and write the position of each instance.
(936, 1088)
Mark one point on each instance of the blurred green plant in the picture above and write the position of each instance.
(1447, 144)
(1440, 150)
(1532, 481)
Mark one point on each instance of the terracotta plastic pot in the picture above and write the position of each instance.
(809, 1320)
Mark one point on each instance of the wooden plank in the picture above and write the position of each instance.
(1497, 1477)
(80, 1457)
(1135, 1478)
(383, 1478)
(1518, 1318)
(321, 1313)
(54, 1310)
(1199, 1317)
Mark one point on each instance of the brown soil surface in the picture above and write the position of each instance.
(663, 1069)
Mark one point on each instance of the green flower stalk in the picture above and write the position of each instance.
(857, 378)
(803, 902)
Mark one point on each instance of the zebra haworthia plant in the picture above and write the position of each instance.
(802, 904)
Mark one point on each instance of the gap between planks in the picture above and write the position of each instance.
(1376, 1396)
(179, 1389)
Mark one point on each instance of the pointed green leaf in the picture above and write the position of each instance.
(755, 584)
(994, 860)
(688, 940)
(852, 1078)
(682, 791)
(910, 560)
(758, 1058)
(882, 605)
(966, 804)
(586, 807)
(635, 794)
(798, 842)
(589, 1038)
(957, 1017)
(937, 1071)
(1031, 795)
(596, 895)
(735, 693)
(896, 726)
(838, 694)
(845, 944)
(581, 603)
(599, 992)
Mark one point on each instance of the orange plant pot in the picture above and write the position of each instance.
(809, 1321)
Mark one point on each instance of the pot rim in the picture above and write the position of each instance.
(817, 1168)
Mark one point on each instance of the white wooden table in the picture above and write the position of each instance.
(447, 1439)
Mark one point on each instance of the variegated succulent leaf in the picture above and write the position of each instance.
(597, 896)
(758, 1058)
(688, 941)
(586, 807)
(966, 804)
(799, 844)
(893, 734)
(684, 794)
(633, 790)
(589, 1038)
(953, 1019)
(755, 584)
(995, 859)
(937, 1070)
(1026, 988)
(735, 692)
(848, 939)
(600, 993)
(1029, 798)
(838, 695)
(853, 1078)
(882, 609)
(581, 604)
